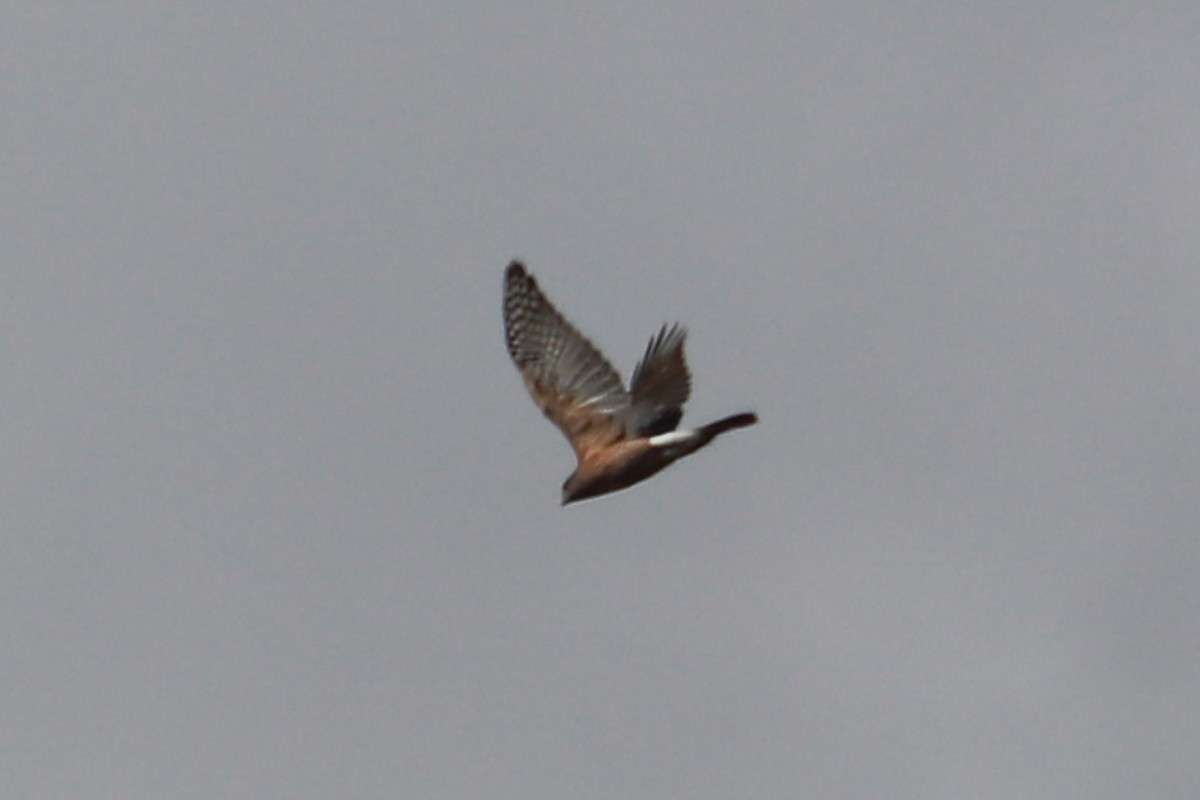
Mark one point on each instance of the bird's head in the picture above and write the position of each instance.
(579, 487)
(569, 488)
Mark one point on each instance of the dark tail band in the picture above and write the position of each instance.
(743, 420)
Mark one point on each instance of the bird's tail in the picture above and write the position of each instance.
(713, 429)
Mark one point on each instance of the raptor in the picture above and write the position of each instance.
(619, 436)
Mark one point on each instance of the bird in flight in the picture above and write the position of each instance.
(619, 437)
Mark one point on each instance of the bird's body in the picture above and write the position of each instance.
(619, 437)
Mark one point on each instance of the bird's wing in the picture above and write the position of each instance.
(661, 384)
(569, 379)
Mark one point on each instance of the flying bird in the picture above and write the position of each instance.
(619, 437)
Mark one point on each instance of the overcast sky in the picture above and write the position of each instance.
(279, 520)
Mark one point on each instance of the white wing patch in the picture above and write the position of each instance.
(671, 437)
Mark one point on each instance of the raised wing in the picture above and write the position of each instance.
(661, 384)
(574, 385)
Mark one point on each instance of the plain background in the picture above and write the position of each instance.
(279, 520)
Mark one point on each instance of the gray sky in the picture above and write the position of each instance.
(280, 521)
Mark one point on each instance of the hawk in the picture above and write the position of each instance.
(619, 437)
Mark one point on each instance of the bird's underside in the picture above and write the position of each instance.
(619, 437)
